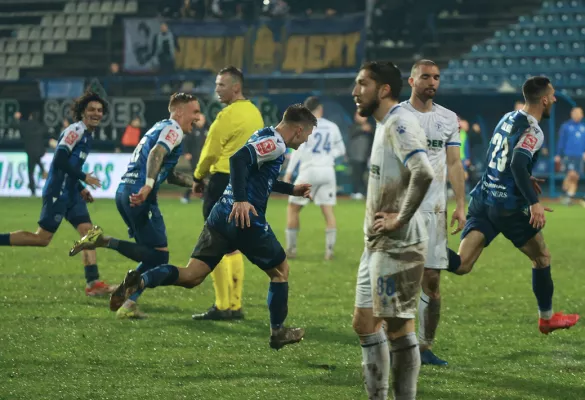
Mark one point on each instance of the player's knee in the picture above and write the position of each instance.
(364, 326)
(542, 260)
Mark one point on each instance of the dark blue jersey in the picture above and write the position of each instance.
(76, 140)
(267, 149)
(166, 133)
(516, 132)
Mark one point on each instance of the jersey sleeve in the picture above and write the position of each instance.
(338, 145)
(410, 139)
(70, 137)
(530, 141)
(266, 149)
(454, 138)
(170, 137)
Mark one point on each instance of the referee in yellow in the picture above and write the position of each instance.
(231, 129)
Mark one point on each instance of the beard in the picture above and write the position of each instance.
(546, 112)
(368, 109)
(426, 94)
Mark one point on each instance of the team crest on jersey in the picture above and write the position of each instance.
(529, 142)
(439, 126)
(71, 137)
(265, 147)
(172, 137)
(401, 129)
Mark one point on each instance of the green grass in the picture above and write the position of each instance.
(55, 343)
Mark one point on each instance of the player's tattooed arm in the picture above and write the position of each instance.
(180, 179)
(155, 161)
(421, 176)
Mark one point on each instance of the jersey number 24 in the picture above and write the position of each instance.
(499, 155)
(322, 143)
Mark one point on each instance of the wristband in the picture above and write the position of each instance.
(149, 182)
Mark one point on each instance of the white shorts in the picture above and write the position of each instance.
(324, 186)
(388, 282)
(436, 224)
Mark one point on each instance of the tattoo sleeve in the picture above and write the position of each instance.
(155, 160)
(421, 176)
(180, 179)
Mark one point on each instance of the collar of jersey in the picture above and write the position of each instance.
(83, 126)
(175, 122)
(396, 107)
(530, 117)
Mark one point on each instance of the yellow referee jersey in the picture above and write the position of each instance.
(231, 129)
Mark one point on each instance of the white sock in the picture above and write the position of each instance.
(376, 364)
(291, 238)
(545, 314)
(405, 367)
(330, 238)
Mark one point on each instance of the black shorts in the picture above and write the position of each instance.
(214, 190)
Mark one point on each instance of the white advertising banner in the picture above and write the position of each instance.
(108, 167)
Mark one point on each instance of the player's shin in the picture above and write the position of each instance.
(429, 311)
(376, 364)
(330, 239)
(4, 239)
(163, 275)
(235, 263)
(543, 288)
(405, 366)
(277, 305)
(291, 241)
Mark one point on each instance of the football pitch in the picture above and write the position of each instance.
(55, 343)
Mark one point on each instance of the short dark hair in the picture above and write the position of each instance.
(312, 103)
(236, 73)
(180, 98)
(299, 114)
(428, 63)
(385, 73)
(535, 88)
(79, 105)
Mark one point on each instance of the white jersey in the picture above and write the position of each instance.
(399, 144)
(321, 149)
(441, 127)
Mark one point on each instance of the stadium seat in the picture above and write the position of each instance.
(59, 20)
(96, 20)
(59, 33)
(60, 47)
(82, 7)
(2, 60)
(118, 7)
(35, 47)
(12, 74)
(85, 33)
(131, 7)
(22, 33)
(47, 20)
(24, 60)
(71, 33)
(22, 47)
(48, 46)
(36, 60)
(70, 8)
(10, 47)
(94, 7)
(71, 20)
(83, 20)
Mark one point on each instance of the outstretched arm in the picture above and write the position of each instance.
(180, 179)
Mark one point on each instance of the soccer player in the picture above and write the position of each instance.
(392, 264)
(238, 222)
(230, 130)
(316, 162)
(441, 127)
(153, 162)
(505, 200)
(63, 194)
(571, 150)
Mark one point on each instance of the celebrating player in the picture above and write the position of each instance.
(393, 260)
(63, 194)
(230, 130)
(505, 200)
(316, 162)
(153, 161)
(441, 127)
(230, 226)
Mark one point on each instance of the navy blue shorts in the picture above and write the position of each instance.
(573, 164)
(73, 209)
(218, 238)
(491, 221)
(145, 222)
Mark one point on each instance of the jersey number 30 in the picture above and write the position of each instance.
(499, 155)
(322, 143)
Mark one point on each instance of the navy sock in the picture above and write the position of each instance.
(91, 273)
(278, 303)
(134, 296)
(145, 267)
(139, 252)
(454, 260)
(543, 288)
(4, 239)
(163, 275)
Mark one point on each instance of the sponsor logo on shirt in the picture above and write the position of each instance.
(70, 138)
(265, 147)
(172, 137)
(529, 142)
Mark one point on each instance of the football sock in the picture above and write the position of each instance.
(4, 239)
(91, 273)
(139, 252)
(221, 280)
(235, 265)
(454, 261)
(330, 237)
(429, 312)
(543, 288)
(143, 267)
(134, 296)
(163, 275)
(376, 364)
(277, 303)
(405, 366)
(291, 238)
